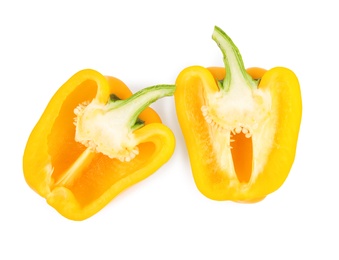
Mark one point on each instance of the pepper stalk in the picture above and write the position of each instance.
(234, 65)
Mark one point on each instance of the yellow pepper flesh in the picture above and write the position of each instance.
(252, 158)
(74, 179)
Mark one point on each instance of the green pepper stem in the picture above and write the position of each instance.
(235, 70)
(135, 104)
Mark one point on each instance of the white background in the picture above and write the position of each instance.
(145, 43)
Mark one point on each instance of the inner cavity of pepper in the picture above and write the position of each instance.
(88, 175)
(71, 159)
(242, 155)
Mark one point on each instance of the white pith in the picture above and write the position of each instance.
(105, 131)
(245, 110)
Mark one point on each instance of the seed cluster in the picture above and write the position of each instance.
(125, 154)
(237, 128)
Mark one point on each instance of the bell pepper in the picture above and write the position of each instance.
(94, 140)
(240, 126)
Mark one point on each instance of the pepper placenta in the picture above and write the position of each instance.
(94, 140)
(240, 126)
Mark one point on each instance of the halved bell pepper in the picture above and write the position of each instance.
(94, 140)
(240, 127)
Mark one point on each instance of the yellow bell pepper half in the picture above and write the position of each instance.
(94, 140)
(240, 127)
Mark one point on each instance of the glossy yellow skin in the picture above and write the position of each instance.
(193, 84)
(51, 150)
